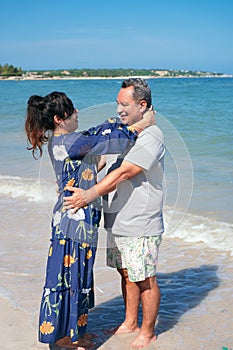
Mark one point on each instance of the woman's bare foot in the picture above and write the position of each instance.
(82, 344)
(142, 340)
(63, 341)
(121, 329)
(89, 336)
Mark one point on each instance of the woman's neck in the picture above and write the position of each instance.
(60, 131)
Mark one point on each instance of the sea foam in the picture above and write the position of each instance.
(185, 226)
(30, 189)
(195, 228)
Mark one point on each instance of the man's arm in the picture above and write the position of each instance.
(80, 198)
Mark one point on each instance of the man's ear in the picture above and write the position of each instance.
(143, 105)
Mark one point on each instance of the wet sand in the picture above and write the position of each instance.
(196, 311)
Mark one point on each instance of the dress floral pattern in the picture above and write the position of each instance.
(69, 286)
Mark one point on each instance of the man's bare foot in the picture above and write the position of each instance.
(81, 344)
(142, 341)
(122, 329)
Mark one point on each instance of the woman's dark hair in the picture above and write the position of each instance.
(40, 118)
(142, 90)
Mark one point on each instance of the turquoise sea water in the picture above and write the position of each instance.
(196, 116)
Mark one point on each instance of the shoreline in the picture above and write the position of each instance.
(15, 78)
(195, 311)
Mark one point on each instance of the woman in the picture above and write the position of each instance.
(68, 291)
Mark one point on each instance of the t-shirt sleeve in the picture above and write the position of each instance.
(148, 149)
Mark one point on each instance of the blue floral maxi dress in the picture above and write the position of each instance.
(68, 291)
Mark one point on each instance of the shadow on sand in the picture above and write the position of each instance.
(181, 291)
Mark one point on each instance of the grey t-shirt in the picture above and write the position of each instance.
(135, 209)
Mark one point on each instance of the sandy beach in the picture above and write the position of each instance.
(195, 313)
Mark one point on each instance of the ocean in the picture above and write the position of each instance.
(196, 117)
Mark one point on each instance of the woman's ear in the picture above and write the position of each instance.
(57, 120)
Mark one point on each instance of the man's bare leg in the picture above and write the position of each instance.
(131, 296)
(150, 298)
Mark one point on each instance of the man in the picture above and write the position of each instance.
(133, 218)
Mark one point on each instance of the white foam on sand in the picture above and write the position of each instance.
(188, 227)
(33, 190)
(195, 228)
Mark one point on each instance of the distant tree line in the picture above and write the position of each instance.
(117, 72)
(9, 70)
(99, 72)
(121, 72)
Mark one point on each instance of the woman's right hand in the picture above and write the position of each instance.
(147, 120)
(149, 116)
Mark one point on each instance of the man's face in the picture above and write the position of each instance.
(130, 112)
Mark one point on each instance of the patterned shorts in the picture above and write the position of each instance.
(139, 255)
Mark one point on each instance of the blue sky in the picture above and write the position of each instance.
(162, 34)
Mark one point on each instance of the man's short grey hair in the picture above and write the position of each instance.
(142, 90)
